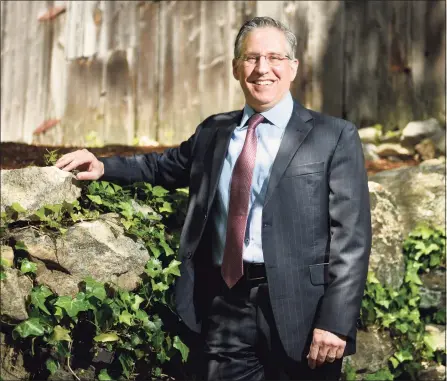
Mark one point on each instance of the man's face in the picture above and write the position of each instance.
(264, 85)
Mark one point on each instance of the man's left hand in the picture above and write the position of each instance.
(326, 346)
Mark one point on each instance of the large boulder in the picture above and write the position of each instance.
(419, 193)
(386, 260)
(416, 131)
(374, 348)
(99, 249)
(15, 290)
(34, 187)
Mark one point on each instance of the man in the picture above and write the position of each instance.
(276, 240)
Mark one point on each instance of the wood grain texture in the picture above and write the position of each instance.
(121, 69)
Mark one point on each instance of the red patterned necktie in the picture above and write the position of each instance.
(232, 266)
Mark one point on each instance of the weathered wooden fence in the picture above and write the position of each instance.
(126, 69)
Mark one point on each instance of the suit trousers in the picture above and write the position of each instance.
(242, 342)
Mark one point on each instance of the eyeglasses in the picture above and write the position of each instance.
(272, 59)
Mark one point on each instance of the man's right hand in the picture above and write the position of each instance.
(85, 161)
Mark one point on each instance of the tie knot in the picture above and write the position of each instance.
(254, 120)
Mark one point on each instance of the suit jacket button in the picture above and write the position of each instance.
(189, 254)
(205, 217)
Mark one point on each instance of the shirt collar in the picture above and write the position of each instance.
(279, 115)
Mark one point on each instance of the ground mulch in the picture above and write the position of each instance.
(20, 155)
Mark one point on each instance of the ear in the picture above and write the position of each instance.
(235, 64)
(294, 68)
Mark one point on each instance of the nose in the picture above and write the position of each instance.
(262, 65)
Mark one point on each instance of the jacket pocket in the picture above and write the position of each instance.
(304, 169)
(319, 273)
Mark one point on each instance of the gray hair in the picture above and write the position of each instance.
(264, 22)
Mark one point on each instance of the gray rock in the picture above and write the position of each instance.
(12, 365)
(16, 289)
(146, 210)
(419, 193)
(426, 149)
(432, 291)
(438, 161)
(39, 245)
(58, 282)
(34, 187)
(7, 255)
(416, 131)
(439, 141)
(386, 260)
(101, 250)
(396, 150)
(369, 135)
(370, 152)
(374, 348)
(433, 372)
(437, 336)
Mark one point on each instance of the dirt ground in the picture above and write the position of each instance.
(19, 155)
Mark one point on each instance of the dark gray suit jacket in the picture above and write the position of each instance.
(316, 224)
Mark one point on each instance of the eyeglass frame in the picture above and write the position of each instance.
(244, 59)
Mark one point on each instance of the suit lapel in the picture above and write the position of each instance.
(294, 135)
(223, 134)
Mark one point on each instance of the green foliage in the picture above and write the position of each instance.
(51, 157)
(125, 323)
(398, 310)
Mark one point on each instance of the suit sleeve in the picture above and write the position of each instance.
(350, 245)
(169, 169)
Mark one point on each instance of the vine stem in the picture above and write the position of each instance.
(68, 361)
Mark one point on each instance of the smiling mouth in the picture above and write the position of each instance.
(263, 83)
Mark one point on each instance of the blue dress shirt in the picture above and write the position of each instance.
(269, 134)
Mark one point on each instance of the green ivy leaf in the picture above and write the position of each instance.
(73, 306)
(159, 286)
(52, 365)
(5, 262)
(403, 355)
(181, 347)
(126, 318)
(127, 364)
(166, 207)
(3, 275)
(395, 362)
(166, 247)
(136, 304)
(39, 296)
(159, 191)
(173, 268)
(20, 245)
(106, 337)
(153, 267)
(28, 267)
(18, 208)
(60, 334)
(30, 327)
(94, 288)
(95, 199)
(104, 376)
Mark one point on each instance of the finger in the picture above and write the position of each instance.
(64, 160)
(332, 354)
(312, 357)
(322, 353)
(87, 176)
(340, 351)
(75, 164)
